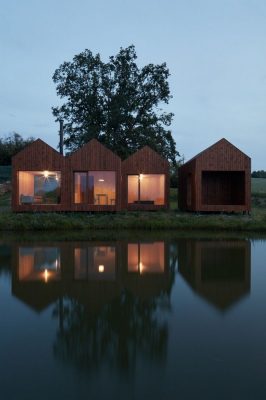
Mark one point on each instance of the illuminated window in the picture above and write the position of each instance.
(146, 189)
(95, 187)
(39, 187)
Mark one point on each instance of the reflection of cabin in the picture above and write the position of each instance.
(217, 270)
(217, 179)
(90, 179)
(145, 177)
(93, 273)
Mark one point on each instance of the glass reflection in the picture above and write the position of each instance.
(219, 271)
(39, 264)
(106, 314)
(146, 257)
(95, 262)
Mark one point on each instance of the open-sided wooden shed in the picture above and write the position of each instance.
(216, 180)
(145, 181)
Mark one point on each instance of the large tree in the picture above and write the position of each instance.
(116, 102)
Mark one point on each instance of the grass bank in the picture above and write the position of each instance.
(136, 221)
(171, 220)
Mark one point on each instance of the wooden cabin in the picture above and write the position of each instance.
(94, 175)
(90, 179)
(216, 180)
(145, 181)
(38, 179)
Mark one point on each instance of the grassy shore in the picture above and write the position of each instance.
(159, 220)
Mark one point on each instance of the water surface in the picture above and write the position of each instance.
(157, 317)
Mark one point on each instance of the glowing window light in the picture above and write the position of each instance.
(46, 174)
(101, 268)
(140, 177)
(140, 267)
(100, 180)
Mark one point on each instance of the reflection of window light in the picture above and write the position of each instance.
(46, 174)
(140, 267)
(46, 274)
(101, 268)
(101, 180)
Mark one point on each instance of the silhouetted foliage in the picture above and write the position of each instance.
(10, 145)
(125, 329)
(116, 103)
(259, 174)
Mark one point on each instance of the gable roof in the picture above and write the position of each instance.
(91, 147)
(145, 152)
(222, 141)
(39, 145)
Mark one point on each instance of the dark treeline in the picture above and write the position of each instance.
(10, 145)
(259, 174)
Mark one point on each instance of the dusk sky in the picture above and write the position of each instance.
(215, 51)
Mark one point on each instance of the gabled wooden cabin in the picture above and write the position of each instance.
(216, 180)
(145, 181)
(90, 179)
(38, 179)
(94, 174)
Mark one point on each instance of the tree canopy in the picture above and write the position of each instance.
(115, 102)
(10, 145)
(259, 174)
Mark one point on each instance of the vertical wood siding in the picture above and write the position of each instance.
(221, 157)
(144, 161)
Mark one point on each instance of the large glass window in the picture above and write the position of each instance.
(146, 189)
(39, 187)
(95, 187)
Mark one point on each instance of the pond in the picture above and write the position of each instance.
(161, 317)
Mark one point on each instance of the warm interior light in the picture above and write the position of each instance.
(140, 177)
(46, 174)
(100, 180)
(46, 275)
(101, 268)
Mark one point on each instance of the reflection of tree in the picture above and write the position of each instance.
(5, 259)
(124, 329)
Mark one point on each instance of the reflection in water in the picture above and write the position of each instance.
(39, 263)
(145, 257)
(95, 262)
(217, 270)
(106, 314)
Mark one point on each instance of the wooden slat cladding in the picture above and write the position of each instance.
(144, 161)
(38, 156)
(91, 157)
(220, 179)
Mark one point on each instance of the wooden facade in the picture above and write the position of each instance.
(146, 164)
(216, 180)
(38, 156)
(93, 156)
(91, 179)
